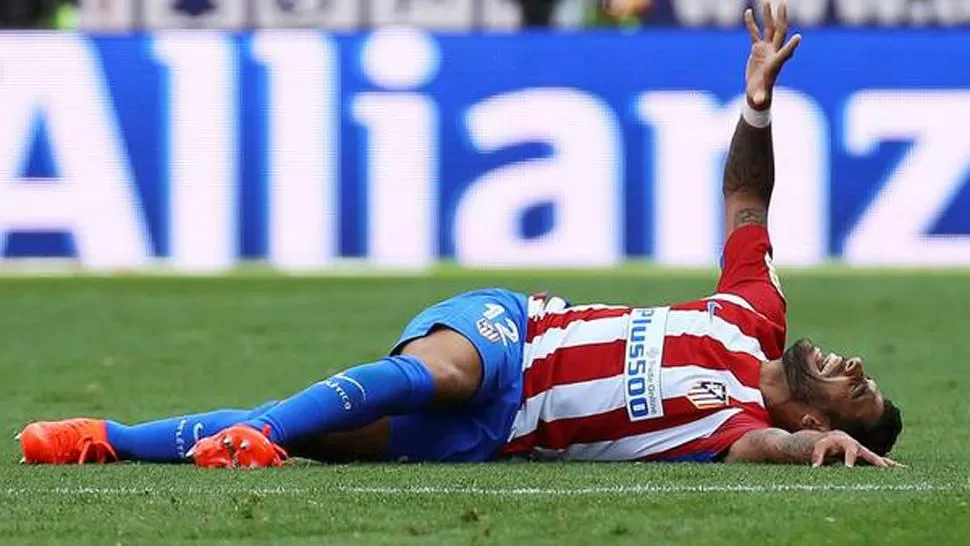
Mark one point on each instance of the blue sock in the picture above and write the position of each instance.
(168, 440)
(351, 399)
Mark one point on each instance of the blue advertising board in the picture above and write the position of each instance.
(197, 150)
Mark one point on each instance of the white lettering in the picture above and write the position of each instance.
(893, 230)
(55, 79)
(402, 152)
(580, 179)
(303, 140)
(202, 147)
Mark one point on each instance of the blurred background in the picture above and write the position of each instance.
(201, 135)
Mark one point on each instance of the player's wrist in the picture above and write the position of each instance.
(759, 118)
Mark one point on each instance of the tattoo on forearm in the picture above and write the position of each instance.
(778, 446)
(750, 216)
(750, 167)
(797, 447)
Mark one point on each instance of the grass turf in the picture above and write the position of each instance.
(140, 348)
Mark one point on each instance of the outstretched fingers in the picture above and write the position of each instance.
(894, 464)
(781, 25)
(788, 50)
(752, 26)
(872, 458)
(851, 454)
(850, 450)
(820, 452)
(769, 18)
(785, 53)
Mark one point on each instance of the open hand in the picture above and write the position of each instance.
(769, 52)
(838, 443)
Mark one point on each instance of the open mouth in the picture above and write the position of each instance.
(828, 365)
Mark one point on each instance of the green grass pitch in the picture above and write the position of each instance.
(139, 348)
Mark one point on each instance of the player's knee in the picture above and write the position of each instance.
(452, 361)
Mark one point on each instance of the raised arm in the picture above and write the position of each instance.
(773, 445)
(749, 174)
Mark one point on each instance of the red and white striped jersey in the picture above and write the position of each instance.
(678, 382)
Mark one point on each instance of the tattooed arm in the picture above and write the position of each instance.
(773, 445)
(749, 175)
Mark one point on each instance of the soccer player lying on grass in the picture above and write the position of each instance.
(493, 373)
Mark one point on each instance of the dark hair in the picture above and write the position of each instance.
(881, 436)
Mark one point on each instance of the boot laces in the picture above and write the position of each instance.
(87, 447)
(99, 451)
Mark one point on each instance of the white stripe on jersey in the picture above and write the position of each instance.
(678, 380)
(700, 323)
(538, 308)
(590, 307)
(732, 298)
(642, 445)
(568, 401)
(576, 333)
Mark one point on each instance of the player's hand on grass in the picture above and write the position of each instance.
(769, 52)
(837, 444)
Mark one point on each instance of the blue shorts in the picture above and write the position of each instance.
(495, 321)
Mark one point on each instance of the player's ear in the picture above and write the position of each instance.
(811, 421)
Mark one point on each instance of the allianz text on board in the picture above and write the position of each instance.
(200, 150)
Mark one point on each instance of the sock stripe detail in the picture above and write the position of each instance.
(363, 391)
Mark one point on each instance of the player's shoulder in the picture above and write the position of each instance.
(732, 319)
(735, 306)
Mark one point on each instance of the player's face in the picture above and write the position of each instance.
(835, 385)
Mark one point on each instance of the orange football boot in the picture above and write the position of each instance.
(238, 446)
(74, 441)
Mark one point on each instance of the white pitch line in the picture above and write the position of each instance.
(646, 489)
(519, 491)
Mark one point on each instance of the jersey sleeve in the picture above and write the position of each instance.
(721, 441)
(748, 272)
(713, 448)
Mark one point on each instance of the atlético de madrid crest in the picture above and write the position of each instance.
(708, 394)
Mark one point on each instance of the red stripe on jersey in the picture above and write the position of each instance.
(706, 352)
(754, 411)
(537, 327)
(616, 424)
(519, 446)
(574, 365)
(751, 323)
(717, 443)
